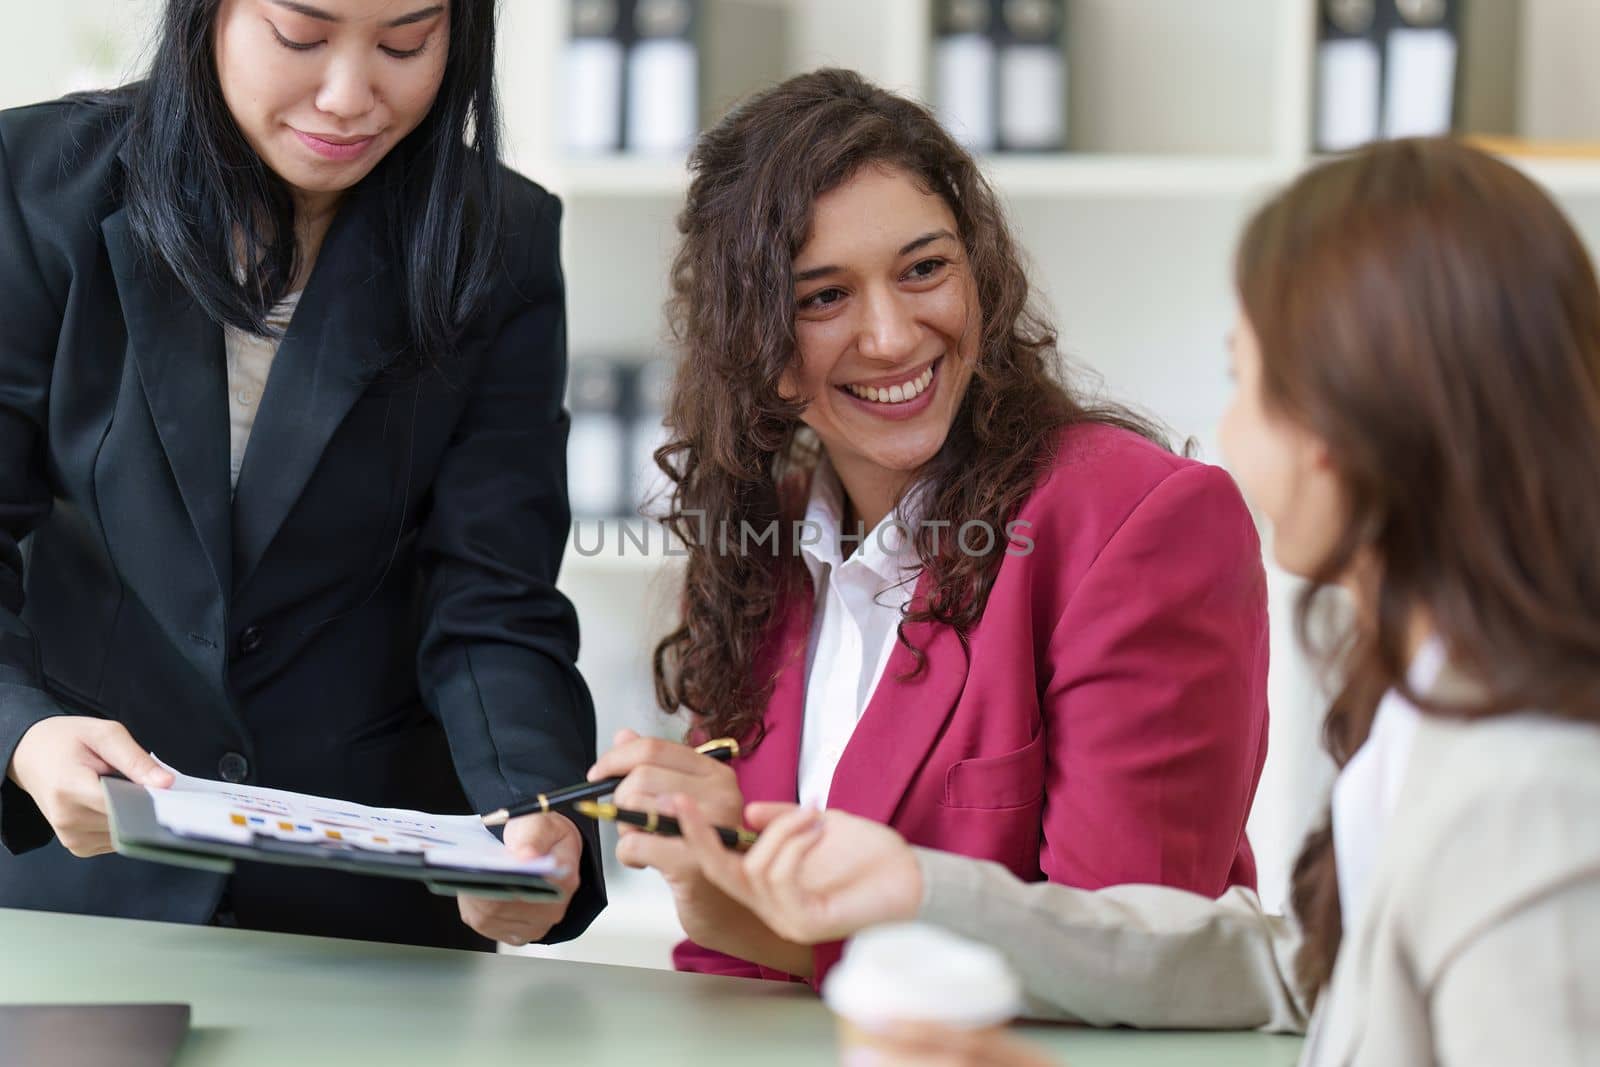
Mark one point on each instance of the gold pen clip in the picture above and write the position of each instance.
(719, 744)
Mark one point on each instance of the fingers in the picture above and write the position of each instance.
(112, 742)
(513, 922)
(785, 866)
(795, 822)
(78, 816)
(722, 866)
(669, 855)
(760, 815)
(632, 751)
(75, 807)
(651, 788)
(85, 848)
(774, 868)
(538, 835)
(648, 783)
(85, 844)
(553, 835)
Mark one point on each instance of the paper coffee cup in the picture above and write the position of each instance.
(913, 972)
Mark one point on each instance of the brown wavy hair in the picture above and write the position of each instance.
(739, 456)
(1429, 314)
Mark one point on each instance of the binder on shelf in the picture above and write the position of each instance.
(1349, 74)
(663, 77)
(1032, 75)
(1385, 68)
(597, 456)
(594, 77)
(964, 72)
(1420, 68)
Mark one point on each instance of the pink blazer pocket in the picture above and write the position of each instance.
(1011, 780)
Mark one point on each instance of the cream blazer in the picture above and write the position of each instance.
(1480, 943)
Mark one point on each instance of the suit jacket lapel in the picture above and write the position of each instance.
(902, 721)
(772, 771)
(342, 333)
(178, 350)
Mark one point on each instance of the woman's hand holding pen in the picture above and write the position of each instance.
(654, 772)
(59, 762)
(813, 876)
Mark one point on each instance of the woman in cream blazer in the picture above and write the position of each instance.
(1418, 416)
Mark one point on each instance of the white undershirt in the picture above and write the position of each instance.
(1366, 789)
(854, 628)
(249, 362)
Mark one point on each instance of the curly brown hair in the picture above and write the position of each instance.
(738, 459)
(1426, 311)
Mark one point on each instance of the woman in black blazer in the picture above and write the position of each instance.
(366, 606)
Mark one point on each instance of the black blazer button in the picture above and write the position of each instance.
(249, 640)
(233, 767)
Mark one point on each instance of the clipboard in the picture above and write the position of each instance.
(138, 834)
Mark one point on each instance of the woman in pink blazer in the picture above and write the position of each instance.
(927, 584)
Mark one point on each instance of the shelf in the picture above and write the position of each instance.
(1068, 175)
(1022, 176)
(1057, 175)
(1562, 177)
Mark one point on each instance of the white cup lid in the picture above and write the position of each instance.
(913, 971)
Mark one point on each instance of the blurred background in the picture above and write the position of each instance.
(1129, 138)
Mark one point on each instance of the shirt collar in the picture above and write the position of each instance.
(889, 550)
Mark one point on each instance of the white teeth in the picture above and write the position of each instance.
(895, 394)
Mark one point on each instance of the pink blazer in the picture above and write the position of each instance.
(1110, 722)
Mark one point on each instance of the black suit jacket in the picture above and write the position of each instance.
(371, 615)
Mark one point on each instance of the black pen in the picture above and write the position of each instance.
(655, 823)
(723, 748)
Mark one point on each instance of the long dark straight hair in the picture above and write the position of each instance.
(202, 201)
(1426, 311)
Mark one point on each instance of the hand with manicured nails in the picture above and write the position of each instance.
(518, 922)
(813, 876)
(59, 762)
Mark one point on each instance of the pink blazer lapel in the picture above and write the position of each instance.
(902, 722)
(772, 771)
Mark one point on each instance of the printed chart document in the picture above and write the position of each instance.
(200, 822)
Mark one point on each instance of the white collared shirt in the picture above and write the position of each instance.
(1366, 789)
(855, 624)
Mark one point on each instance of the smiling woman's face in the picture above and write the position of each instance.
(323, 89)
(887, 320)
